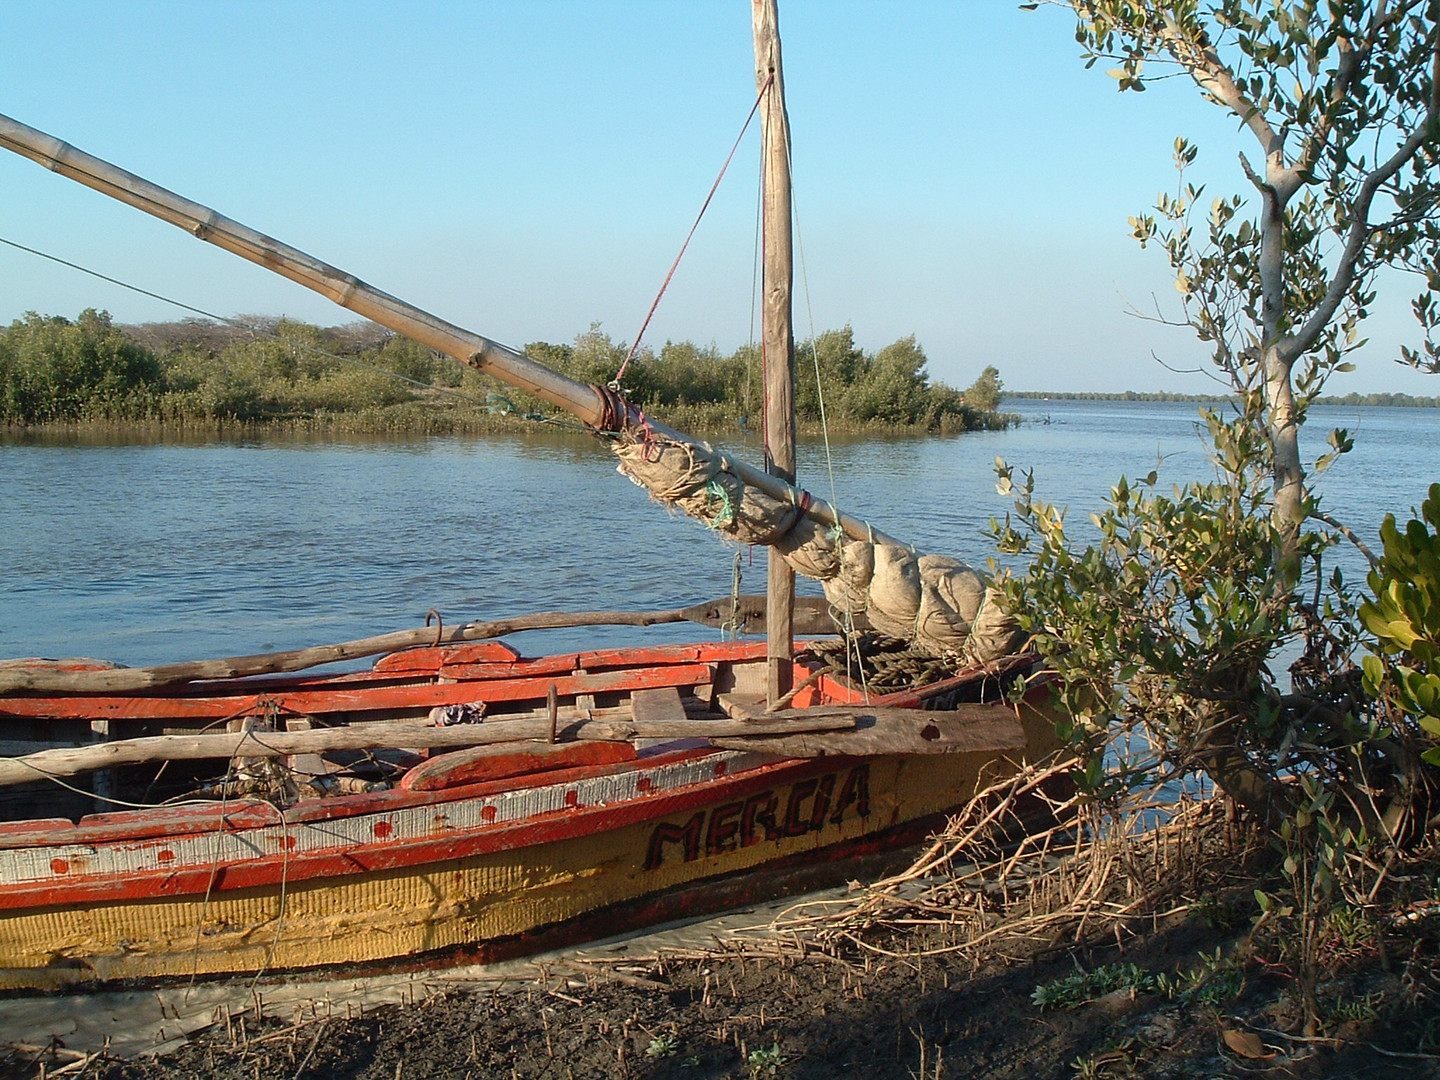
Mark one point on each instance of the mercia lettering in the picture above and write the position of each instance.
(809, 804)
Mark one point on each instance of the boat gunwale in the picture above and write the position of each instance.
(272, 869)
(208, 819)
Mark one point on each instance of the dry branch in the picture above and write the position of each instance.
(1095, 872)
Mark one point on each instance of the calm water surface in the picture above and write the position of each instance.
(156, 552)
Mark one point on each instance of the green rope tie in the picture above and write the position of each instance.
(716, 491)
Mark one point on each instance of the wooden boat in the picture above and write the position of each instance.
(634, 815)
(461, 796)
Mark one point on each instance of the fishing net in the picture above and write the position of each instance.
(937, 604)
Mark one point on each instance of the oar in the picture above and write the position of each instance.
(812, 616)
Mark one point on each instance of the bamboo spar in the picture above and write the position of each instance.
(581, 400)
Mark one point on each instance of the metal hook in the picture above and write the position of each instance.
(439, 625)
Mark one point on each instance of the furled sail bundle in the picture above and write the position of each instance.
(941, 606)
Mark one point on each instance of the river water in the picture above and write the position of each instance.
(147, 552)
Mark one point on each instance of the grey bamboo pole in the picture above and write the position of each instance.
(581, 400)
(779, 337)
(71, 761)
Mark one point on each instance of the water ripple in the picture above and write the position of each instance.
(148, 553)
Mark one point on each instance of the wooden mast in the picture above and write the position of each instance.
(779, 336)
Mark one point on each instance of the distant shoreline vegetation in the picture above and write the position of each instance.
(276, 373)
(1395, 400)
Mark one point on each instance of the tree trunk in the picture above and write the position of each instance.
(1277, 362)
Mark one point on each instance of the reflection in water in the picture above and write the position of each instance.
(147, 551)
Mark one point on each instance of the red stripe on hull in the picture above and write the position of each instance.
(350, 699)
(270, 870)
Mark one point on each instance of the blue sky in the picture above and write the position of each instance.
(524, 169)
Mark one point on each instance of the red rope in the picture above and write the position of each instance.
(688, 236)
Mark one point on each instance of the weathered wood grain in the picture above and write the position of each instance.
(894, 731)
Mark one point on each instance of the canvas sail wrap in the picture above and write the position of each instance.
(941, 606)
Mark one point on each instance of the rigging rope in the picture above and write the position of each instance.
(844, 618)
(615, 382)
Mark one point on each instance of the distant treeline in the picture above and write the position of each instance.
(1403, 400)
(1400, 400)
(1128, 395)
(279, 371)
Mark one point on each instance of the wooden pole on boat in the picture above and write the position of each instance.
(581, 400)
(779, 339)
(72, 761)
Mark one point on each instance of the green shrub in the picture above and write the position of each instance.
(263, 369)
(987, 391)
(1404, 616)
(52, 369)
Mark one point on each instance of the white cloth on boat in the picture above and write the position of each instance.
(938, 604)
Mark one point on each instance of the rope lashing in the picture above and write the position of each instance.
(614, 411)
(649, 444)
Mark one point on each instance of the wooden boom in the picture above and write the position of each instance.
(587, 402)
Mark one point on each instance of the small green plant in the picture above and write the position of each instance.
(1117, 1062)
(1214, 981)
(1219, 988)
(1081, 987)
(662, 1046)
(765, 1063)
(1348, 929)
(1360, 1010)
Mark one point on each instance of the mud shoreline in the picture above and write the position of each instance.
(748, 1007)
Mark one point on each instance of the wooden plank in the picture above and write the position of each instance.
(741, 706)
(130, 825)
(661, 703)
(628, 657)
(895, 731)
(337, 863)
(516, 669)
(484, 763)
